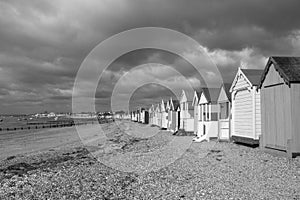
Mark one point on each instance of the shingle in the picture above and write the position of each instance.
(211, 94)
(253, 75)
(288, 67)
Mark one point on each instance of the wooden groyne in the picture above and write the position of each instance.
(56, 124)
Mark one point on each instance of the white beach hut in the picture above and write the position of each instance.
(186, 111)
(196, 105)
(208, 113)
(246, 116)
(224, 117)
(173, 115)
(164, 115)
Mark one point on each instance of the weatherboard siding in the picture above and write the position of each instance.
(241, 83)
(243, 119)
(295, 120)
(246, 112)
(196, 117)
(276, 111)
(257, 114)
(277, 115)
(280, 111)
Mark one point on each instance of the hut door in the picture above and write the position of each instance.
(224, 127)
(243, 114)
(276, 127)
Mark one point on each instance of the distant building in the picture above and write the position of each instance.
(51, 114)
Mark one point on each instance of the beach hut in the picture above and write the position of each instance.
(208, 112)
(173, 115)
(196, 105)
(157, 116)
(280, 100)
(144, 116)
(224, 117)
(141, 115)
(131, 115)
(134, 116)
(151, 112)
(186, 111)
(168, 108)
(164, 115)
(138, 117)
(246, 117)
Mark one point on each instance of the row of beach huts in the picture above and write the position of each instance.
(260, 107)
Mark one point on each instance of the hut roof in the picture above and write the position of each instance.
(226, 87)
(253, 75)
(189, 94)
(287, 67)
(197, 93)
(211, 94)
(175, 104)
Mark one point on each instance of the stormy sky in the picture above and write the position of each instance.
(43, 44)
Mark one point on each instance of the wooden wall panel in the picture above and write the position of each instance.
(295, 117)
(276, 112)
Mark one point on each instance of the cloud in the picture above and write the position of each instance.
(43, 43)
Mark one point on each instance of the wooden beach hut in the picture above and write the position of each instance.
(134, 118)
(186, 111)
(280, 100)
(144, 116)
(157, 116)
(208, 113)
(164, 115)
(131, 116)
(173, 115)
(196, 106)
(151, 112)
(138, 115)
(154, 115)
(246, 116)
(168, 108)
(224, 117)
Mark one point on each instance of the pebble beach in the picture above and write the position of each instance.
(81, 169)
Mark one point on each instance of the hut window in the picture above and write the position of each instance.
(204, 111)
(224, 110)
(208, 110)
(201, 112)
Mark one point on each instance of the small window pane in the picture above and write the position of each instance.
(224, 110)
(207, 113)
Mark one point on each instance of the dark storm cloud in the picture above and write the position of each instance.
(42, 43)
(143, 56)
(150, 94)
